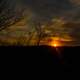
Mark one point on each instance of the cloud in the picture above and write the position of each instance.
(49, 8)
(43, 10)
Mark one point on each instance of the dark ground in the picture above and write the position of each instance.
(43, 57)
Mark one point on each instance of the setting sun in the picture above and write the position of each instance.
(58, 41)
(55, 43)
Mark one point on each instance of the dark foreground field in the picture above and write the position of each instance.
(41, 57)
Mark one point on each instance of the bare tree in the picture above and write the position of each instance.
(9, 14)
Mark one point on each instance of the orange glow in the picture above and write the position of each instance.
(58, 41)
(55, 43)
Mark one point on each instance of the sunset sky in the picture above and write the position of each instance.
(60, 18)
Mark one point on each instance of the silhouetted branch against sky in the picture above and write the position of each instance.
(44, 10)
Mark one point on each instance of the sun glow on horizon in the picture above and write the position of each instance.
(58, 42)
(55, 43)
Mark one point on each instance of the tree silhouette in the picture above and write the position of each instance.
(9, 14)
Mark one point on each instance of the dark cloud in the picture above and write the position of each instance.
(49, 8)
(43, 9)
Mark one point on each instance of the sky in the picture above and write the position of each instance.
(42, 11)
(48, 9)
